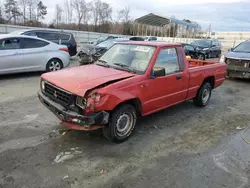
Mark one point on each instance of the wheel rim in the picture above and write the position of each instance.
(124, 124)
(205, 96)
(200, 57)
(54, 66)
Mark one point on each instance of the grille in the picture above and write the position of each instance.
(240, 63)
(58, 95)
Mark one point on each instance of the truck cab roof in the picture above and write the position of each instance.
(153, 43)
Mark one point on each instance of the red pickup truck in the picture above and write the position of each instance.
(132, 79)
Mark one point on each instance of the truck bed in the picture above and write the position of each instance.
(198, 63)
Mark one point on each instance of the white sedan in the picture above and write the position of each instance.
(19, 53)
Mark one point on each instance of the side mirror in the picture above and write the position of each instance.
(158, 72)
(214, 45)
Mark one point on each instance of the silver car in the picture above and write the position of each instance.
(19, 53)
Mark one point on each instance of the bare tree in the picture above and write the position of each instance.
(123, 15)
(82, 11)
(66, 10)
(95, 8)
(106, 13)
(68, 7)
(23, 4)
(58, 14)
(31, 4)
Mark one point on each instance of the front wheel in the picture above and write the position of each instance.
(203, 96)
(121, 124)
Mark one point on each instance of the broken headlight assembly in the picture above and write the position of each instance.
(94, 97)
(81, 102)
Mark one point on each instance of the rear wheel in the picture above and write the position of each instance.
(209, 55)
(121, 124)
(203, 96)
(201, 57)
(54, 65)
(218, 54)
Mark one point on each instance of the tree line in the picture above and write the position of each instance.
(94, 16)
(82, 15)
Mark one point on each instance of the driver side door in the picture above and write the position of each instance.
(161, 92)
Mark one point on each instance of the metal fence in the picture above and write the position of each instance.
(228, 39)
(80, 36)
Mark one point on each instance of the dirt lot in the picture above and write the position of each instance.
(180, 147)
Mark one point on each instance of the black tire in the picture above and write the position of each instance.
(111, 131)
(228, 75)
(218, 54)
(201, 57)
(209, 55)
(57, 65)
(203, 96)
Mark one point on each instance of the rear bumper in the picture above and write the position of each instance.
(73, 119)
(72, 50)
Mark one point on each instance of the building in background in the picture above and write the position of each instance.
(152, 24)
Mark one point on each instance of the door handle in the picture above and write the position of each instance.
(178, 77)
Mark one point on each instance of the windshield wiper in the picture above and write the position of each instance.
(126, 67)
(103, 63)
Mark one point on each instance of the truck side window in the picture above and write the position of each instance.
(168, 59)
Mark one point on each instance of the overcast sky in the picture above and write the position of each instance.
(224, 15)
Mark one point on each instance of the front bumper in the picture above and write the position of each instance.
(238, 72)
(73, 119)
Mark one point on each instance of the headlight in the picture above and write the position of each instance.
(43, 85)
(95, 96)
(205, 49)
(81, 102)
(222, 59)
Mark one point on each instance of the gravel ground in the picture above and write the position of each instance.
(180, 147)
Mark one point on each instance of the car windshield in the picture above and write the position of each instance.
(203, 43)
(128, 57)
(101, 39)
(106, 44)
(243, 47)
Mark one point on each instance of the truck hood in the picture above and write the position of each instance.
(238, 55)
(79, 80)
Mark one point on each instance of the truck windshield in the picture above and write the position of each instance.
(128, 57)
(203, 43)
(243, 47)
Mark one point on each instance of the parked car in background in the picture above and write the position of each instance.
(58, 37)
(210, 47)
(238, 60)
(150, 38)
(19, 53)
(194, 52)
(137, 38)
(104, 38)
(89, 53)
(130, 80)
